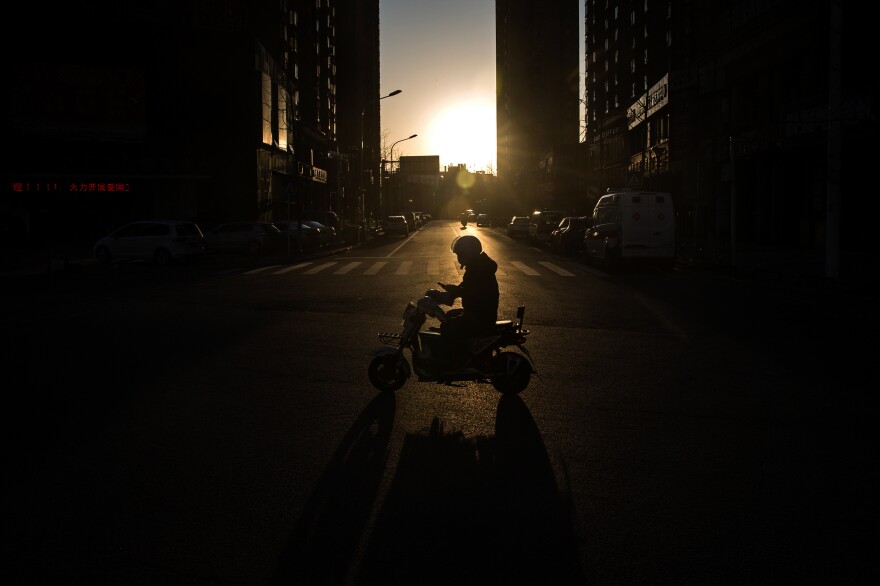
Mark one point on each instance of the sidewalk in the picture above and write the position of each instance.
(857, 274)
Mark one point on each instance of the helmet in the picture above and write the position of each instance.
(466, 245)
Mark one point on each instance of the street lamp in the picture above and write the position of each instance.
(391, 160)
(361, 175)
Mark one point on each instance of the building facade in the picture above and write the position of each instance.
(537, 79)
(186, 110)
(748, 113)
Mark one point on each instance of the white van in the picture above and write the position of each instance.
(632, 225)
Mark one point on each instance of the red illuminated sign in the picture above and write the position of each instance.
(70, 187)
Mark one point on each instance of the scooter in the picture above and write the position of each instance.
(487, 360)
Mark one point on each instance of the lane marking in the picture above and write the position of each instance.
(402, 244)
(525, 268)
(555, 269)
(261, 270)
(292, 268)
(319, 268)
(346, 268)
(377, 266)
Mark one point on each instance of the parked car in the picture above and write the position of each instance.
(325, 217)
(162, 241)
(326, 234)
(300, 237)
(518, 227)
(396, 226)
(542, 223)
(568, 237)
(410, 218)
(249, 237)
(483, 220)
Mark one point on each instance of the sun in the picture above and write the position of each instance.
(465, 134)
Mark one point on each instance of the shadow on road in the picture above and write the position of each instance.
(478, 510)
(326, 536)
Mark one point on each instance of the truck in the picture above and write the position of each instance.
(632, 224)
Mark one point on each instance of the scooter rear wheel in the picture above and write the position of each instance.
(517, 372)
(387, 374)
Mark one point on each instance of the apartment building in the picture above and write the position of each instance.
(747, 112)
(186, 109)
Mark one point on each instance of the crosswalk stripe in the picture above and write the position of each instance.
(291, 268)
(525, 268)
(319, 268)
(431, 267)
(377, 266)
(346, 268)
(556, 269)
(261, 270)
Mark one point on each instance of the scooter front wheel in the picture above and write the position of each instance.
(387, 373)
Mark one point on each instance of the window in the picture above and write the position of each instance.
(266, 109)
(283, 117)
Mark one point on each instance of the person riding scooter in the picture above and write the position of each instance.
(478, 291)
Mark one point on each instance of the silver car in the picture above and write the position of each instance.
(397, 226)
(162, 241)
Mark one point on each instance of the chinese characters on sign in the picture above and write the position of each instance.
(72, 187)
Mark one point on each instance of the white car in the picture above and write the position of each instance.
(162, 241)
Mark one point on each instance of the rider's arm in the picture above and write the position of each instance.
(454, 289)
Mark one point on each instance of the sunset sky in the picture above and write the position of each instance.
(441, 55)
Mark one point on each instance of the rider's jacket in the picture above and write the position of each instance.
(479, 291)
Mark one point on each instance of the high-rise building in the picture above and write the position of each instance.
(358, 60)
(537, 84)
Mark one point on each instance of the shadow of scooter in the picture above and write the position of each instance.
(478, 510)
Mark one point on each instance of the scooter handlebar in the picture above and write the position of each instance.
(444, 297)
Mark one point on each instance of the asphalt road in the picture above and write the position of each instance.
(214, 424)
